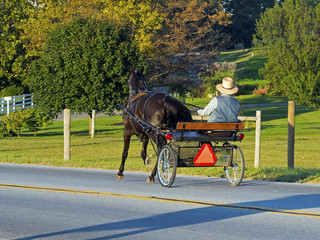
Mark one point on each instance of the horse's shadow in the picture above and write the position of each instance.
(183, 218)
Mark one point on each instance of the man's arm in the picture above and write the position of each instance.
(212, 105)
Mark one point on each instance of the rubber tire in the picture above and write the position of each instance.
(235, 173)
(166, 166)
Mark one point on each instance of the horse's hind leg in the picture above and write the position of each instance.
(161, 142)
(124, 156)
(145, 140)
(153, 174)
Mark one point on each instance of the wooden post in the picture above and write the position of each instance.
(8, 104)
(92, 123)
(258, 138)
(67, 140)
(291, 133)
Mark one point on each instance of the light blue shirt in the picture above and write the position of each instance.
(224, 108)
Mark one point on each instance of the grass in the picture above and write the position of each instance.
(248, 63)
(104, 151)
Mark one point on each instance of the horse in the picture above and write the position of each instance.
(156, 108)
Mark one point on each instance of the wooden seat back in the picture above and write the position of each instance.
(195, 126)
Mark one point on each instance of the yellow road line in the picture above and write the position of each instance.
(173, 200)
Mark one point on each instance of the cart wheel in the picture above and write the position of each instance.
(166, 166)
(235, 172)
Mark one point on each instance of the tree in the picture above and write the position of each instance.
(244, 15)
(289, 35)
(142, 16)
(46, 15)
(12, 47)
(189, 40)
(84, 66)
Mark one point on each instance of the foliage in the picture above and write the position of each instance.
(36, 119)
(84, 66)
(12, 47)
(289, 35)
(142, 16)
(189, 40)
(248, 85)
(14, 123)
(215, 75)
(47, 15)
(3, 129)
(243, 16)
(12, 90)
(18, 121)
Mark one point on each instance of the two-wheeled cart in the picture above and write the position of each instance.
(196, 144)
(202, 145)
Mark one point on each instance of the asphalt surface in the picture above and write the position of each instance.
(68, 203)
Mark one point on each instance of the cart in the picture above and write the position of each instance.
(196, 144)
(202, 145)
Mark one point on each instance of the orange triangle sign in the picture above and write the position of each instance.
(205, 156)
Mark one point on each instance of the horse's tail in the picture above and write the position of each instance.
(176, 111)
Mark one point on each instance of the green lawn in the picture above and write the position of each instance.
(104, 152)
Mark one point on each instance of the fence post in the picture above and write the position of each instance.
(8, 104)
(291, 133)
(258, 138)
(67, 140)
(23, 102)
(92, 123)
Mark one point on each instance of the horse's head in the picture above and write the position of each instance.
(137, 82)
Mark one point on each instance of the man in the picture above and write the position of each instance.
(224, 108)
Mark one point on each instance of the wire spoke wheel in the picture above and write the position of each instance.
(166, 166)
(235, 172)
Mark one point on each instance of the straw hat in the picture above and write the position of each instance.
(227, 86)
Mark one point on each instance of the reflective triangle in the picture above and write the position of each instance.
(205, 156)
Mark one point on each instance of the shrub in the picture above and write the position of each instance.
(215, 75)
(261, 91)
(37, 119)
(14, 123)
(12, 91)
(3, 129)
(18, 121)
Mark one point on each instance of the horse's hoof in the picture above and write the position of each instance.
(148, 162)
(119, 176)
(150, 180)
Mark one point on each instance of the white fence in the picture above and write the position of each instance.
(14, 103)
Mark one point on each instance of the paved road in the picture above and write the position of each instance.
(62, 203)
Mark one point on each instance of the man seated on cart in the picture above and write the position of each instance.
(224, 108)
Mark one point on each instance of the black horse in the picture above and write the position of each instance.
(156, 108)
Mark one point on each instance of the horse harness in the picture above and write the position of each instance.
(141, 94)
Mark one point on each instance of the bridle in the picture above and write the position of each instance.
(134, 92)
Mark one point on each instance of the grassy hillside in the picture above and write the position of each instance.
(248, 63)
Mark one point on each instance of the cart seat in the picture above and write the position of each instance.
(209, 131)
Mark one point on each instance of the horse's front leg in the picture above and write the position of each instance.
(126, 145)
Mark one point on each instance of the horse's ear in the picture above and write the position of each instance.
(142, 69)
(130, 69)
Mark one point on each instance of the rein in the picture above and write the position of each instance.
(189, 105)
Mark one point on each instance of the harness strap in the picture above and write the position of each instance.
(145, 104)
(139, 96)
